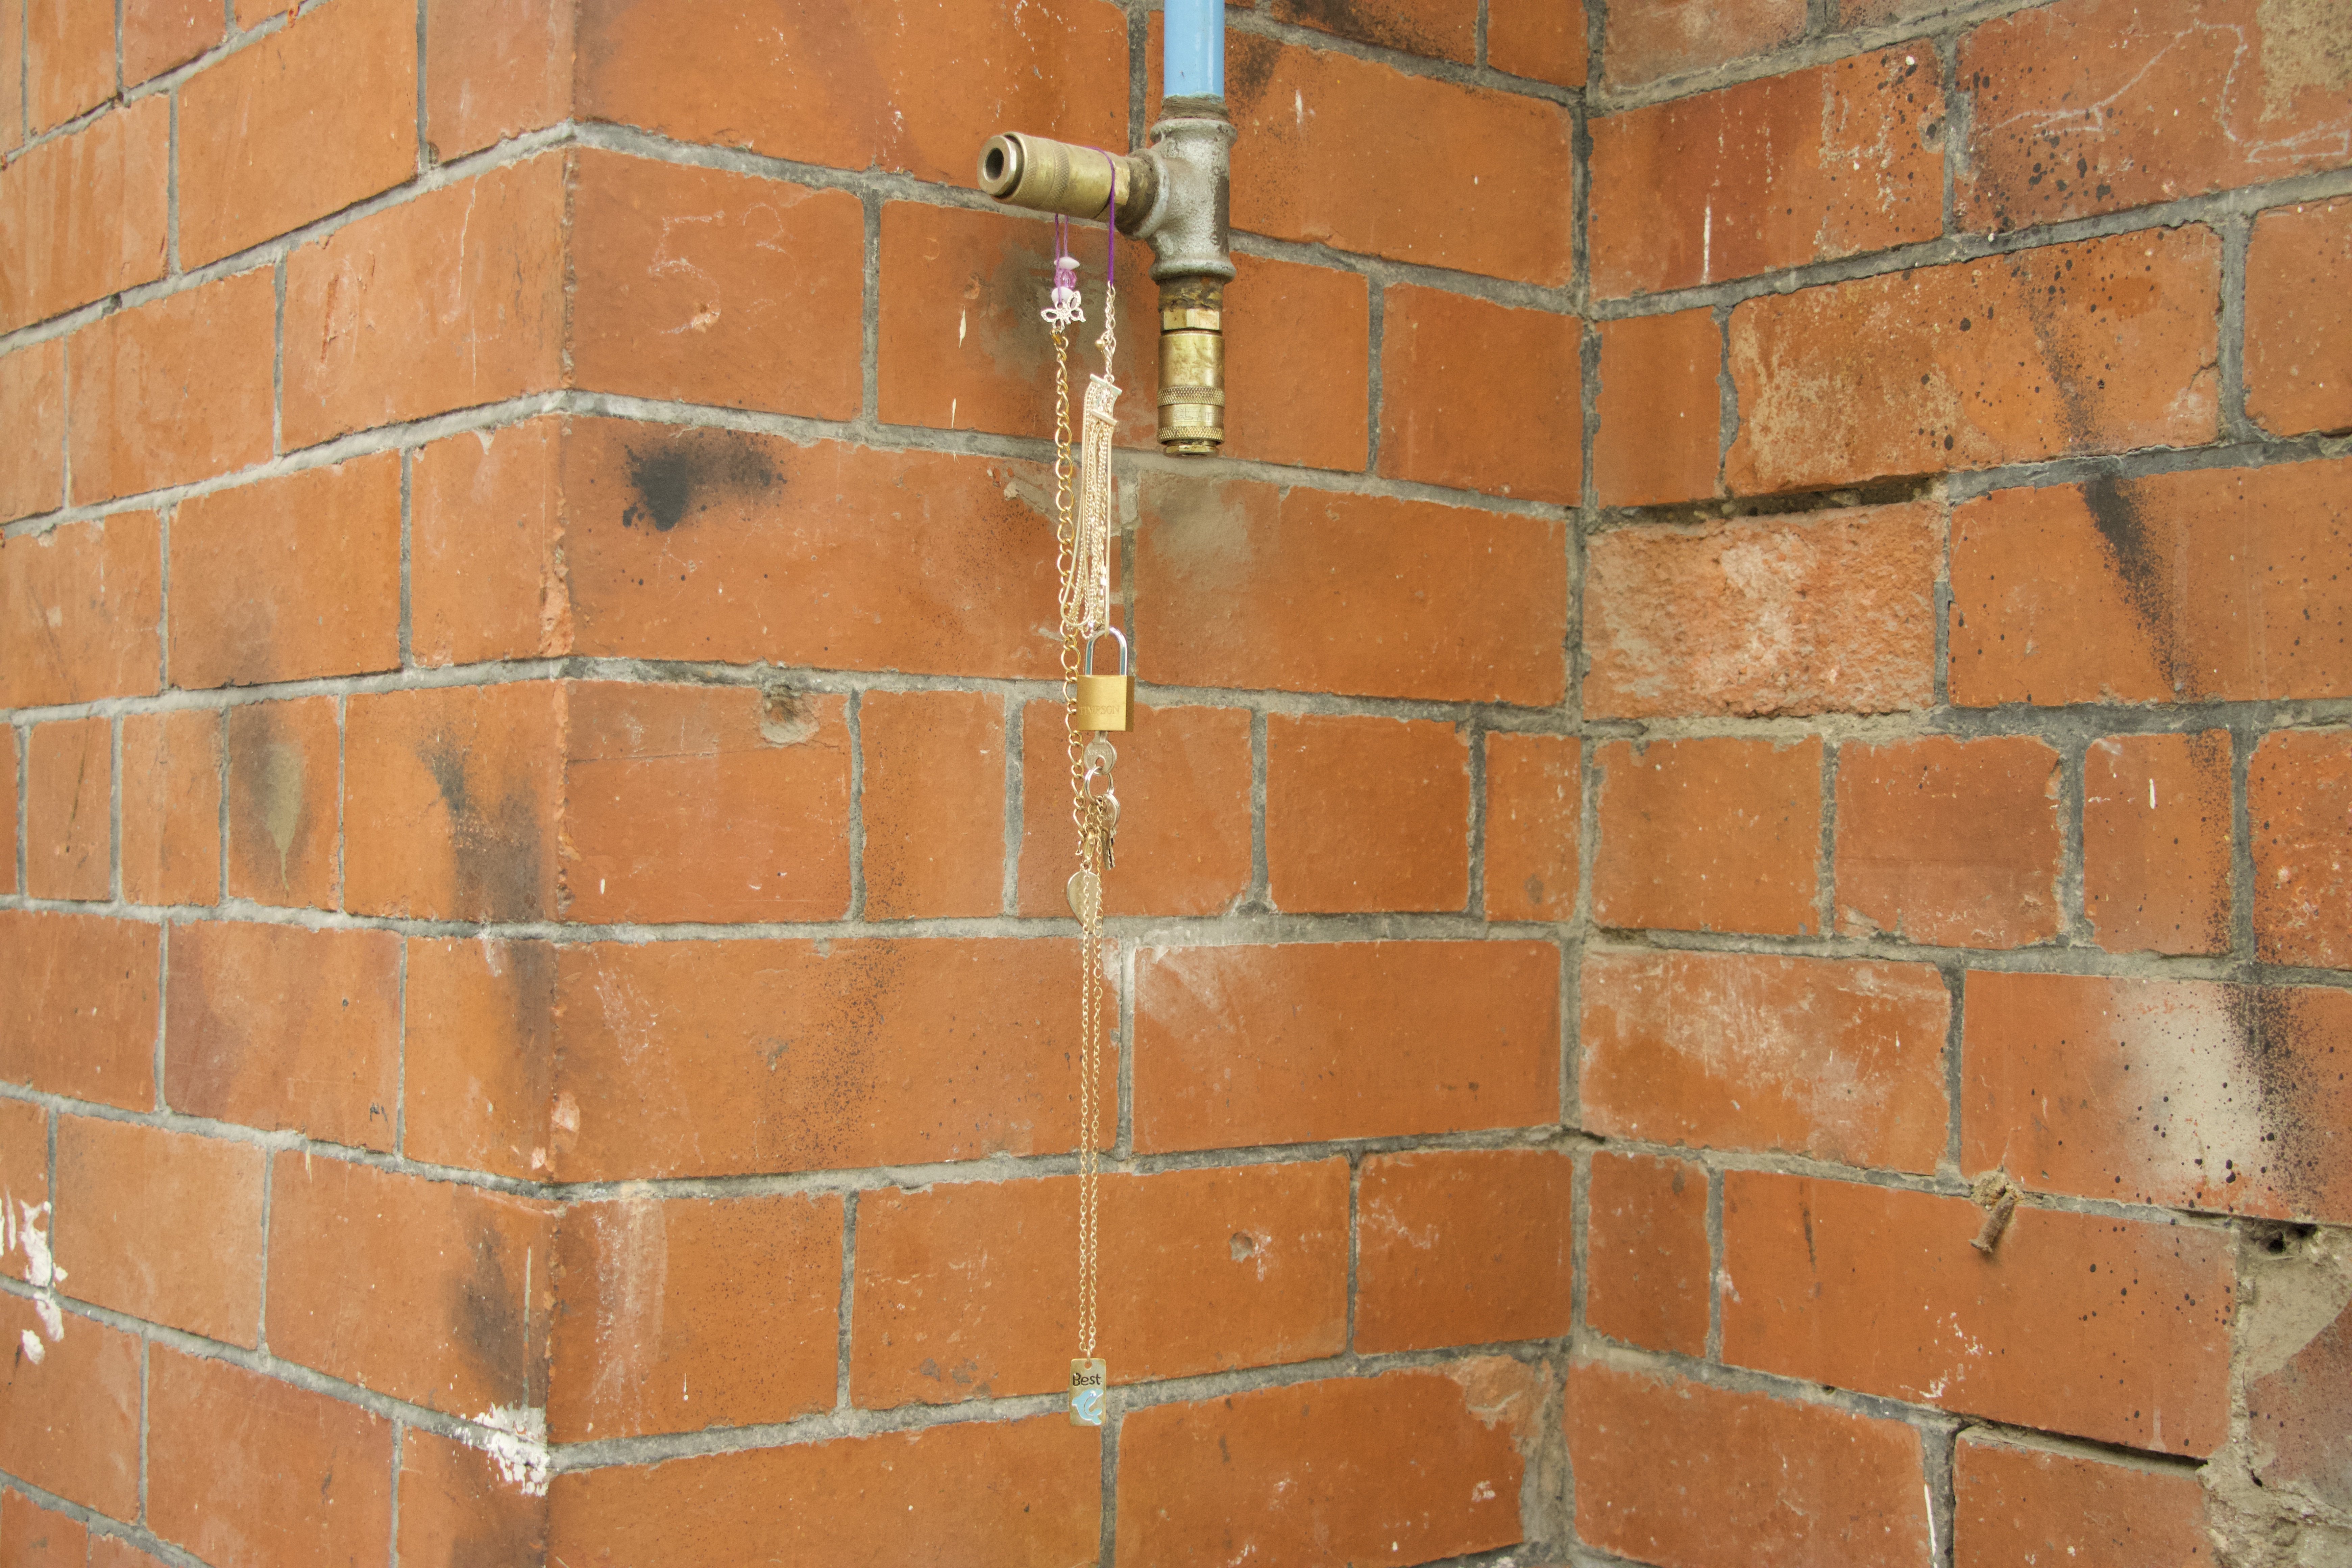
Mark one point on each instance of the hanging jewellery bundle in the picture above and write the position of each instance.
(1092, 704)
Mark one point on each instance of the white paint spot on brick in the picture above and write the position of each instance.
(516, 1442)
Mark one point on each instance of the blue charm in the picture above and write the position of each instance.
(1089, 1380)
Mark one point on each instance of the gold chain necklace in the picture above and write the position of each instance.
(1082, 532)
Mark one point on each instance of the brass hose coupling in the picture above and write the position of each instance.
(1173, 194)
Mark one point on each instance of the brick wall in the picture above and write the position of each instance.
(1767, 657)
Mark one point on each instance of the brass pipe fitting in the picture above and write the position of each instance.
(1049, 177)
(1174, 194)
(1192, 365)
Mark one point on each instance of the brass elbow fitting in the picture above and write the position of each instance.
(1174, 194)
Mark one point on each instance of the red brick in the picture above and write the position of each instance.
(967, 1291)
(1816, 164)
(1647, 39)
(24, 1159)
(2030, 1505)
(1366, 814)
(1298, 358)
(2296, 1416)
(2155, 842)
(450, 301)
(455, 1500)
(276, 1027)
(1349, 1040)
(1438, 29)
(1950, 842)
(1660, 431)
(1646, 1252)
(2108, 1328)
(2188, 1094)
(2219, 584)
(174, 391)
(77, 1007)
(1481, 396)
(1537, 38)
(450, 802)
(696, 1313)
(1535, 804)
(171, 807)
(790, 1055)
(1402, 1468)
(12, 88)
(252, 13)
(2093, 106)
(32, 465)
(8, 805)
(677, 541)
(933, 802)
(283, 795)
(1184, 803)
(981, 1494)
(33, 1537)
(2099, 346)
(434, 1292)
(1709, 834)
(69, 1418)
(741, 74)
(266, 589)
(1368, 595)
(699, 286)
(1833, 613)
(298, 125)
(718, 804)
(2299, 793)
(115, 1552)
(1836, 1061)
(69, 61)
(1465, 169)
(961, 345)
(493, 69)
(70, 810)
(159, 34)
(310, 1477)
(1462, 1247)
(2298, 319)
(478, 1057)
(486, 573)
(1680, 1472)
(161, 1225)
(78, 608)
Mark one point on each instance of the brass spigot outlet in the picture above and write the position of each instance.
(1192, 365)
(1049, 177)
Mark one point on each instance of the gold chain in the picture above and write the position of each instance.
(1088, 814)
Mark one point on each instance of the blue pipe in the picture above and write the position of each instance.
(1195, 49)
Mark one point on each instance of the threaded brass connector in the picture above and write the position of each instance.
(1192, 365)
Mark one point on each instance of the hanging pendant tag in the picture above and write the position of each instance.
(1095, 499)
(1088, 1381)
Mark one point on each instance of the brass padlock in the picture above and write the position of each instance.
(1106, 701)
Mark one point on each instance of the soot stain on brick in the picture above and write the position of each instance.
(1250, 60)
(684, 475)
(496, 847)
(2139, 562)
(826, 1081)
(1348, 19)
(2292, 1063)
(490, 1322)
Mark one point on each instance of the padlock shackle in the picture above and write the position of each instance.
(1088, 667)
